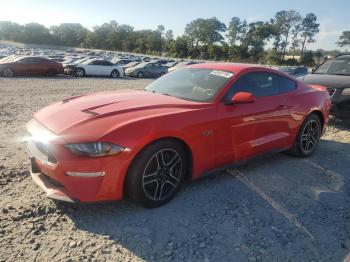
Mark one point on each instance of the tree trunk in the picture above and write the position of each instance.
(284, 48)
(303, 48)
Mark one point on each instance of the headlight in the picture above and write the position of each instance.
(346, 92)
(95, 149)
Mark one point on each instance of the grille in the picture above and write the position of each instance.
(331, 91)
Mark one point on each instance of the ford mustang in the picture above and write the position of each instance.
(144, 144)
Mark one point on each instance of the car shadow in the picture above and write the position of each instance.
(277, 208)
(342, 124)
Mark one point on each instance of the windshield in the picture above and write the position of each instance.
(87, 61)
(194, 84)
(335, 67)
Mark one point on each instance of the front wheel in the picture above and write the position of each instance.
(140, 75)
(7, 72)
(308, 137)
(156, 174)
(80, 72)
(115, 74)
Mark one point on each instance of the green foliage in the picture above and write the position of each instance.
(309, 28)
(203, 38)
(344, 39)
(308, 59)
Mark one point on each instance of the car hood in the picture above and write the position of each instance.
(100, 113)
(334, 81)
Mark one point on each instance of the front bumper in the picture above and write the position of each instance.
(69, 70)
(52, 188)
(69, 177)
(132, 74)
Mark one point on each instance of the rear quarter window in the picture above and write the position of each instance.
(286, 85)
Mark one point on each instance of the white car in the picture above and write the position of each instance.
(96, 67)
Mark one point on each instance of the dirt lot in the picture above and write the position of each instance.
(277, 209)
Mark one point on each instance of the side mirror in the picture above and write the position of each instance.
(243, 98)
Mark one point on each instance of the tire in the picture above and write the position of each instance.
(115, 74)
(51, 72)
(308, 137)
(8, 72)
(156, 173)
(140, 74)
(161, 74)
(80, 72)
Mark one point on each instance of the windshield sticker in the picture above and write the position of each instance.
(221, 73)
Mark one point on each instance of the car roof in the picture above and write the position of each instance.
(342, 56)
(230, 67)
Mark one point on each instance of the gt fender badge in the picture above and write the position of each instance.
(207, 132)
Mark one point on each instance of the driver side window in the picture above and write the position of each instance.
(260, 84)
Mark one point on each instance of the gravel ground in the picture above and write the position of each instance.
(279, 208)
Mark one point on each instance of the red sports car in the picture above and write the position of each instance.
(143, 144)
(29, 65)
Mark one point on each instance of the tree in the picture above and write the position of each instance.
(344, 39)
(205, 31)
(295, 39)
(255, 39)
(235, 29)
(308, 59)
(284, 23)
(169, 35)
(11, 31)
(69, 34)
(35, 33)
(309, 28)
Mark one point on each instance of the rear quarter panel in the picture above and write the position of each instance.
(308, 99)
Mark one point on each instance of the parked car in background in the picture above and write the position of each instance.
(121, 62)
(335, 75)
(181, 64)
(29, 65)
(171, 64)
(162, 61)
(131, 64)
(147, 69)
(95, 67)
(296, 71)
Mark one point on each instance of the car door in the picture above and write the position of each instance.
(89, 68)
(252, 128)
(106, 68)
(149, 70)
(25, 66)
(93, 68)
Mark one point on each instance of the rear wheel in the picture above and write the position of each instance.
(80, 72)
(308, 137)
(115, 73)
(156, 174)
(140, 74)
(7, 72)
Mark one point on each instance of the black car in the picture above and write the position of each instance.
(335, 75)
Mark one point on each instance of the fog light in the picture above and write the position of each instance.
(83, 174)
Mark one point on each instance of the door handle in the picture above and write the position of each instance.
(281, 107)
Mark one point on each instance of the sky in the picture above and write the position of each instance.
(148, 14)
